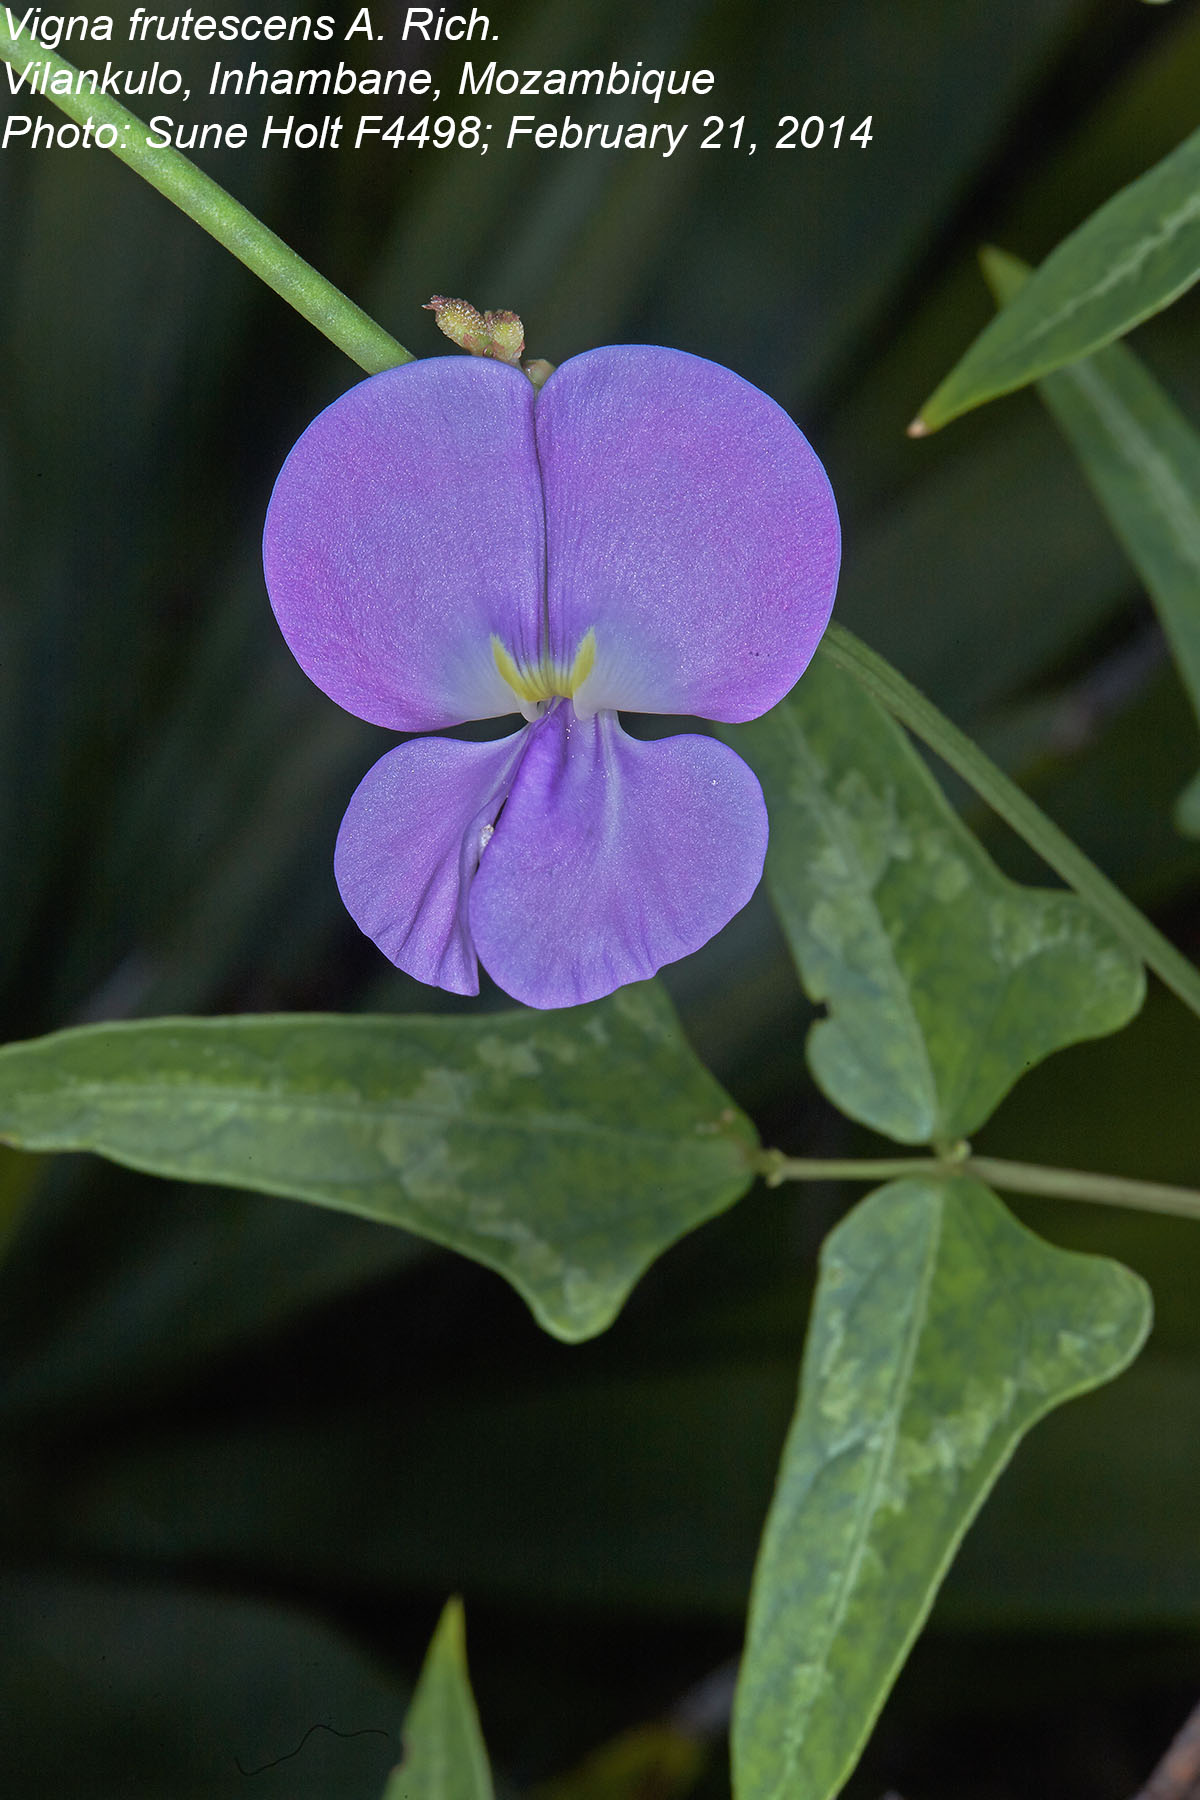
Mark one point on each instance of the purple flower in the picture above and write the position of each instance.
(648, 533)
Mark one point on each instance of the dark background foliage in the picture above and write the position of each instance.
(247, 1448)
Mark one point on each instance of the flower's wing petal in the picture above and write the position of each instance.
(409, 847)
(690, 524)
(404, 530)
(612, 857)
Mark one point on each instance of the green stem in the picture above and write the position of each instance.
(224, 218)
(1012, 1177)
(1015, 807)
(1073, 1184)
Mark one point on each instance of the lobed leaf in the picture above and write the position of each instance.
(1142, 458)
(1139, 252)
(941, 1331)
(944, 979)
(565, 1150)
(444, 1753)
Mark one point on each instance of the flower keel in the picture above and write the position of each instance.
(612, 857)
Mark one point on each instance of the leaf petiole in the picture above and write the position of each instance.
(1011, 1177)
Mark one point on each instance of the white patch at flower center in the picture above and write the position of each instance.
(537, 682)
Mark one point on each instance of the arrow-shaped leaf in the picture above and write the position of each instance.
(941, 1331)
(565, 1150)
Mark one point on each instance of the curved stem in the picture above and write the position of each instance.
(1015, 807)
(1012, 1177)
(223, 217)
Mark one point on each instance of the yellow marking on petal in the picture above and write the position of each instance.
(521, 685)
(585, 662)
(545, 680)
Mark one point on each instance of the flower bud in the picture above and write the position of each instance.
(499, 335)
(462, 323)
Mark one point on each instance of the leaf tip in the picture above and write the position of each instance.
(452, 1627)
(918, 428)
(1004, 273)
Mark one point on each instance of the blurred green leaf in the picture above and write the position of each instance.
(18, 1177)
(1187, 808)
(1109, 779)
(129, 1690)
(1142, 458)
(648, 1762)
(1003, 520)
(565, 1150)
(444, 1753)
(1139, 252)
(1092, 1528)
(384, 1493)
(117, 1286)
(944, 979)
(941, 1331)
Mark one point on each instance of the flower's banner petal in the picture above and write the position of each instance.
(1142, 458)
(409, 847)
(1136, 254)
(944, 980)
(405, 530)
(690, 524)
(566, 1152)
(613, 857)
(445, 1757)
(941, 1332)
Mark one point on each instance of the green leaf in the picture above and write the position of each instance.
(444, 1754)
(565, 1150)
(944, 980)
(1142, 458)
(942, 1330)
(1139, 252)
